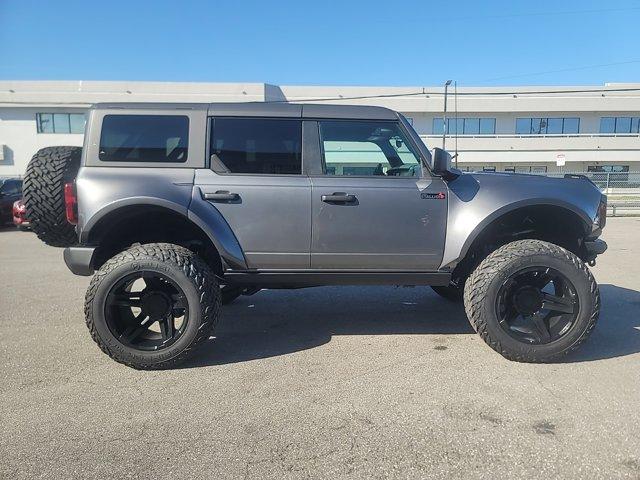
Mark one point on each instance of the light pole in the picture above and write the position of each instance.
(444, 117)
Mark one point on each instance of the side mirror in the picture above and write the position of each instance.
(442, 164)
(441, 161)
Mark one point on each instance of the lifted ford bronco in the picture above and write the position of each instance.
(179, 209)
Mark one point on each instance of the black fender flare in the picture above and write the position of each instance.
(210, 221)
(511, 207)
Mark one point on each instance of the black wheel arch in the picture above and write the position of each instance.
(526, 219)
(130, 222)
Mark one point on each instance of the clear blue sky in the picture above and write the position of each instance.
(322, 42)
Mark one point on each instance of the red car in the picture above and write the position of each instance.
(20, 214)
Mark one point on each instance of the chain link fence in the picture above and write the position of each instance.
(621, 188)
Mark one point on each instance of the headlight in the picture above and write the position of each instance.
(601, 216)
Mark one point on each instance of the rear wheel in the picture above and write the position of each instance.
(150, 306)
(532, 301)
(43, 191)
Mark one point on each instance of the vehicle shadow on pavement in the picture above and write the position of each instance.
(618, 330)
(277, 322)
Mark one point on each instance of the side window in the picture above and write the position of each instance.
(144, 138)
(364, 148)
(262, 146)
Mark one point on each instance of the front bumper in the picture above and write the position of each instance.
(80, 260)
(594, 248)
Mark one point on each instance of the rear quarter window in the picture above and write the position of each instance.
(144, 138)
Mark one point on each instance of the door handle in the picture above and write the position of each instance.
(222, 196)
(339, 197)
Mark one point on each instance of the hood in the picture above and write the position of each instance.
(498, 190)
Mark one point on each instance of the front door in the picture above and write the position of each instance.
(256, 183)
(373, 209)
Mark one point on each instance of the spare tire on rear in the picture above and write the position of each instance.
(43, 194)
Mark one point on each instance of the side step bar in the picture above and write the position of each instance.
(334, 277)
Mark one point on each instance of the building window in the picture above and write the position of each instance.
(60, 122)
(465, 126)
(620, 125)
(608, 168)
(144, 138)
(547, 126)
(488, 169)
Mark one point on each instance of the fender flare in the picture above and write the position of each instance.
(214, 226)
(511, 207)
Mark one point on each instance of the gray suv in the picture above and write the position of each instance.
(177, 209)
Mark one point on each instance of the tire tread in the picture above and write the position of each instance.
(476, 289)
(43, 193)
(199, 273)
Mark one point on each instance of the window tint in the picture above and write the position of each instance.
(619, 125)
(60, 122)
(487, 126)
(623, 124)
(544, 126)
(571, 125)
(538, 126)
(554, 125)
(523, 126)
(465, 126)
(607, 125)
(367, 149)
(608, 168)
(258, 145)
(44, 122)
(471, 126)
(77, 122)
(144, 138)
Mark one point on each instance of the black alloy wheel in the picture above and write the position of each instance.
(152, 305)
(532, 301)
(146, 311)
(537, 305)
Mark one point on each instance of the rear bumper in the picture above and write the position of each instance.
(594, 248)
(80, 260)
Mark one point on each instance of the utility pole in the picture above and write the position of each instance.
(444, 117)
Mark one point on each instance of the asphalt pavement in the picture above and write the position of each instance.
(353, 382)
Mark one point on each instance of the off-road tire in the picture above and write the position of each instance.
(482, 288)
(43, 192)
(182, 266)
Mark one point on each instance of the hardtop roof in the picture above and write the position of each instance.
(266, 109)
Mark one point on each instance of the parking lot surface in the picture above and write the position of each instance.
(354, 382)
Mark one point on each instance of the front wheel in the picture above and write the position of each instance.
(532, 301)
(151, 305)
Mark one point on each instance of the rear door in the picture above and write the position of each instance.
(256, 182)
(372, 207)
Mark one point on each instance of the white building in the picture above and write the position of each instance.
(534, 129)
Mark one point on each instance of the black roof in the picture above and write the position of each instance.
(269, 109)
